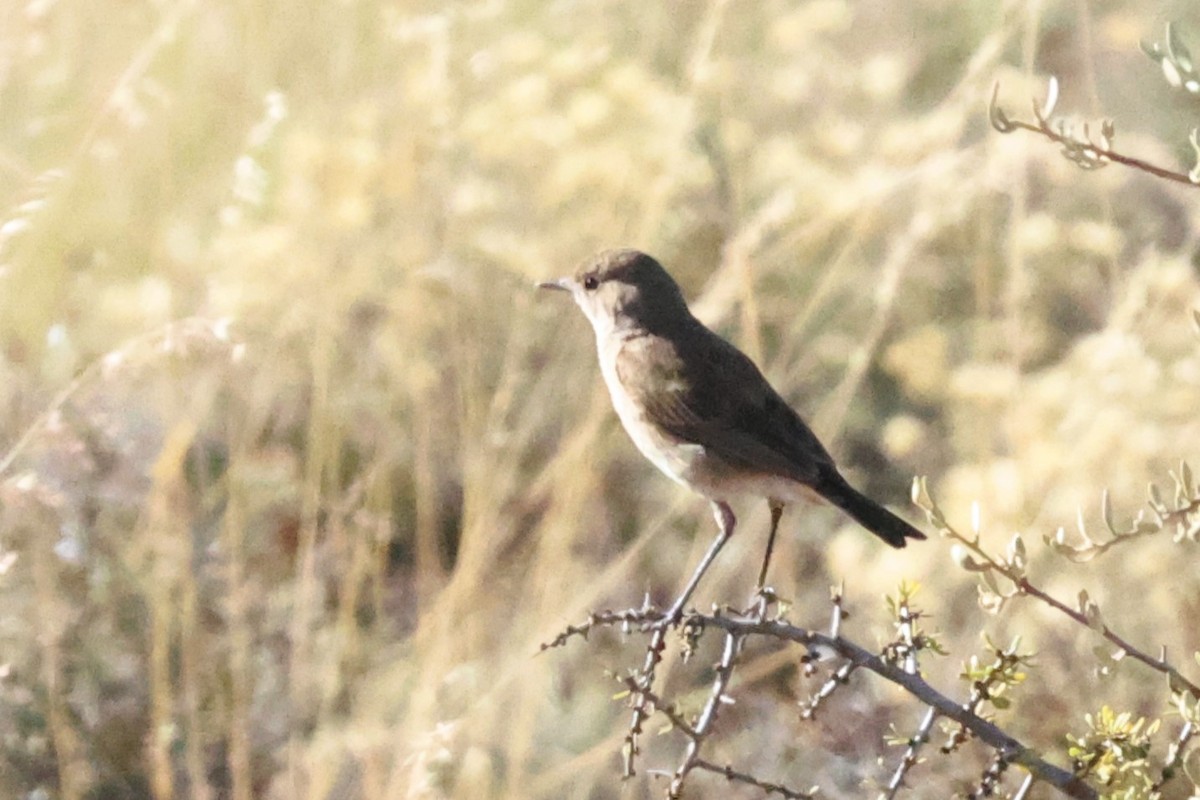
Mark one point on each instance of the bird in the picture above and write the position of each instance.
(701, 411)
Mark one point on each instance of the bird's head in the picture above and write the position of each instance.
(621, 289)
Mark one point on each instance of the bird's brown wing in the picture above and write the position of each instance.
(704, 390)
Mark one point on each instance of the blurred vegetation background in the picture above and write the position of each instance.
(298, 470)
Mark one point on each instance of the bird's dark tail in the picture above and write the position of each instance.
(866, 512)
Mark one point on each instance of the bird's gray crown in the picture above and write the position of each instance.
(634, 286)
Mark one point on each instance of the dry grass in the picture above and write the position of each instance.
(300, 471)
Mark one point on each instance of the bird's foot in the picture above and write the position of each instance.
(761, 601)
(670, 618)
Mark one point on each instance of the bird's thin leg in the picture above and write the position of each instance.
(776, 513)
(725, 524)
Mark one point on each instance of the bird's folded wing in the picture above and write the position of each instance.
(714, 396)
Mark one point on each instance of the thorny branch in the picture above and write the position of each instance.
(642, 708)
(1012, 751)
(716, 696)
(906, 649)
(1176, 754)
(737, 628)
(733, 775)
(915, 743)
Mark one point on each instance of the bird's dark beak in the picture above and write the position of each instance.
(562, 285)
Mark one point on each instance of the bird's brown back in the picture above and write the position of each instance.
(676, 377)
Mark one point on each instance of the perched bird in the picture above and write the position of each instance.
(699, 408)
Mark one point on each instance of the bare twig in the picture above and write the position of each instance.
(740, 777)
(641, 683)
(708, 716)
(1176, 755)
(915, 742)
(630, 618)
(642, 708)
(840, 677)
(1081, 148)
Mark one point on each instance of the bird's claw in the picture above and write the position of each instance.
(760, 603)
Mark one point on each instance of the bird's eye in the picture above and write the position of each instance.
(591, 282)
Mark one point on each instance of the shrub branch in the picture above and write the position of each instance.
(897, 664)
